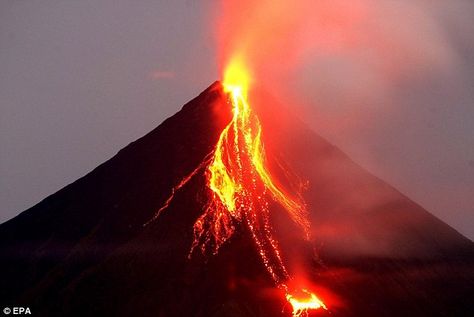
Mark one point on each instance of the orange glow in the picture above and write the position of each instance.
(303, 302)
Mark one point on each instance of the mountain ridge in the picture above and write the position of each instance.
(85, 250)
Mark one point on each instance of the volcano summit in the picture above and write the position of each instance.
(117, 242)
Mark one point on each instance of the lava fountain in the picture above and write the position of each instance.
(240, 188)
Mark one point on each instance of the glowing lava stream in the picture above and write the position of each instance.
(240, 185)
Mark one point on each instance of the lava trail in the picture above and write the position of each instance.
(240, 188)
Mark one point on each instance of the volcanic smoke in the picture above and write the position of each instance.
(240, 187)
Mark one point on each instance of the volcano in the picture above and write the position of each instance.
(98, 248)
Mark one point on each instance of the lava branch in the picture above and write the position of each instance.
(176, 188)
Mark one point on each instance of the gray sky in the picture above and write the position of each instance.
(82, 79)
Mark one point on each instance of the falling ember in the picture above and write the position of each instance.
(240, 188)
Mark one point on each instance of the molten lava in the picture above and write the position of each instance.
(240, 188)
(303, 302)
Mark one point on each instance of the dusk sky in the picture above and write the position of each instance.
(82, 79)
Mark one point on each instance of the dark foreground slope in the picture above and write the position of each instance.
(85, 252)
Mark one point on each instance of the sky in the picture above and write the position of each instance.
(388, 82)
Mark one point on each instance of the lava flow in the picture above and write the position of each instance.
(240, 186)
(303, 302)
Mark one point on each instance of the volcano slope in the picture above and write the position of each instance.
(84, 251)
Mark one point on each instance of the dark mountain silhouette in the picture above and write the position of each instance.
(84, 251)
